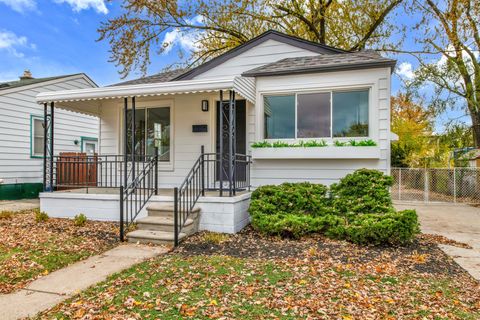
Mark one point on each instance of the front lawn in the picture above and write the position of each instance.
(250, 276)
(29, 249)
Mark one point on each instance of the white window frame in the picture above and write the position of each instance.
(33, 119)
(331, 91)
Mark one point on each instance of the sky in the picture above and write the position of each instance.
(56, 37)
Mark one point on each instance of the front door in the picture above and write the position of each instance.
(240, 135)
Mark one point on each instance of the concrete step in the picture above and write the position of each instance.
(154, 237)
(166, 210)
(161, 223)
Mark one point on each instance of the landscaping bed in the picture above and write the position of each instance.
(32, 245)
(252, 276)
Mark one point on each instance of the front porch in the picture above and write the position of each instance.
(154, 150)
(218, 214)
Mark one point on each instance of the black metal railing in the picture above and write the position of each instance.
(78, 170)
(208, 174)
(136, 194)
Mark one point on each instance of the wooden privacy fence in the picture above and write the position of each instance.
(456, 185)
(75, 169)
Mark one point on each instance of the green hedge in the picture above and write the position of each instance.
(358, 209)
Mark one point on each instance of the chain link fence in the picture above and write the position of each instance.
(457, 185)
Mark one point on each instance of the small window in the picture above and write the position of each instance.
(279, 117)
(350, 114)
(37, 137)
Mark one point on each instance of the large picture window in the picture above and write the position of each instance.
(317, 115)
(152, 129)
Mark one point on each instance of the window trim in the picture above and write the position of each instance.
(83, 139)
(34, 117)
(331, 91)
(162, 165)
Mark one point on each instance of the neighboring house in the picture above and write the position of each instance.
(274, 88)
(473, 157)
(22, 132)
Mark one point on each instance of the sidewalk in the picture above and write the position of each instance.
(459, 222)
(18, 205)
(60, 285)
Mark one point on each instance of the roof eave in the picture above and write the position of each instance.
(154, 89)
(387, 64)
(51, 80)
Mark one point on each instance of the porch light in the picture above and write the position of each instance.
(205, 105)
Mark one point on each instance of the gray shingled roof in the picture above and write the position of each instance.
(26, 82)
(323, 63)
(158, 77)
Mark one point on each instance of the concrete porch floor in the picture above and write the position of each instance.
(167, 192)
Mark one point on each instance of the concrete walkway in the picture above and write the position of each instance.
(19, 205)
(458, 222)
(48, 291)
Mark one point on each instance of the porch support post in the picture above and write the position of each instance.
(45, 142)
(230, 143)
(233, 141)
(156, 171)
(125, 142)
(220, 130)
(133, 138)
(52, 110)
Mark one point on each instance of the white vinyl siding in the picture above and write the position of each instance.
(324, 170)
(266, 52)
(17, 109)
(185, 145)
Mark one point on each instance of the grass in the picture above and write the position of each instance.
(32, 245)
(214, 237)
(215, 286)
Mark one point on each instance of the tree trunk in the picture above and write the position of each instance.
(476, 128)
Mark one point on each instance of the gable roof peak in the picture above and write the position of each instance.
(267, 35)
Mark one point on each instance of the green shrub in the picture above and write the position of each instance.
(280, 144)
(360, 211)
(79, 220)
(298, 198)
(291, 225)
(41, 216)
(363, 143)
(391, 228)
(261, 144)
(339, 143)
(364, 191)
(312, 143)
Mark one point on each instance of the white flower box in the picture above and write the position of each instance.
(329, 152)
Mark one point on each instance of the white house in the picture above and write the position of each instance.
(21, 128)
(290, 111)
